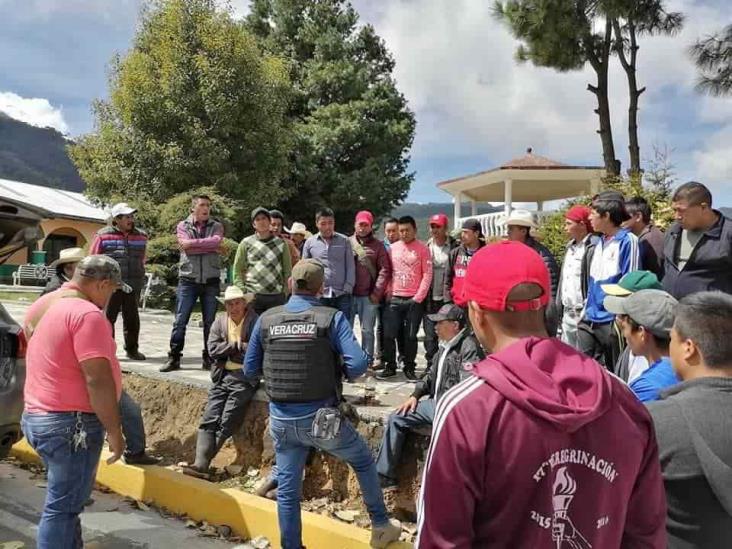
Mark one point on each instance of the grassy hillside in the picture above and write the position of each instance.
(36, 155)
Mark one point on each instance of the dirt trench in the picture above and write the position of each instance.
(172, 412)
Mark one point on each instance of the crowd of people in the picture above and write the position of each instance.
(581, 406)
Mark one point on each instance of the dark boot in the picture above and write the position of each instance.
(173, 363)
(205, 452)
(134, 354)
(206, 361)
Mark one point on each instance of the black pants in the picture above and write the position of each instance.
(431, 342)
(226, 405)
(127, 303)
(603, 342)
(263, 302)
(401, 313)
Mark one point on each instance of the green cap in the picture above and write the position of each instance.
(633, 282)
(102, 267)
(308, 274)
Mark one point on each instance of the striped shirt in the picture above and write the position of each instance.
(614, 258)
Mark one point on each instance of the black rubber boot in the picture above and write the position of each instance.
(173, 363)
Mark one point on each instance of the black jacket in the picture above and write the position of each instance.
(55, 281)
(457, 257)
(693, 422)
(452, 365)
(709, 266)
(549, 261)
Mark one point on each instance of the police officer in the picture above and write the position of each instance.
(299, 347)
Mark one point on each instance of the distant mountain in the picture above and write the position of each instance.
(36, 155)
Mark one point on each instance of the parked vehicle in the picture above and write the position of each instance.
(19, 228)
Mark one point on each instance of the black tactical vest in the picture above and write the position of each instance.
(300, 364)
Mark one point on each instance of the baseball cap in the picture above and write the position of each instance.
(633, 282)
(365, 216)
(102, 267)
(472, 224)
(308, 274)
(655, 310)
(448, 312)
(439, 219)
(260, 211)
(122, 208)
(498, 268)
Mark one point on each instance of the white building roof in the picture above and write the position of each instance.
(52, 203)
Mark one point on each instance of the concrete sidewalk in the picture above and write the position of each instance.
(154, 343)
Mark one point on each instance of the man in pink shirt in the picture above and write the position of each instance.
(541, 447)
(411, 281)
(199, 277)
(72, 388)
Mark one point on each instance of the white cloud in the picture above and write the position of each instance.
(456, 66)
(33, 110)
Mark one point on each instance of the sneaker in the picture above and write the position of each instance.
(267, 486)
(409, 374)
(381, 536)
(143, 458)
(387, 373)
(135, 355)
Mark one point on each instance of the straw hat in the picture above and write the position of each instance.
(299, 228)
(235, 292)
(69, 255)
(521, 218)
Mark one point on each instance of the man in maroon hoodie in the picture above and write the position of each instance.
(542, 447)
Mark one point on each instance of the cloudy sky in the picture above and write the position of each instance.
(475, 107)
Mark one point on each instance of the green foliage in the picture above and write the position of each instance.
(195, 102)
(352, 127)
(36, 155)
(713, 58)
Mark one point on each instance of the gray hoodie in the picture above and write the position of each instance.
(693, 423)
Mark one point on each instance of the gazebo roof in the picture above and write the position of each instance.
(534, 178)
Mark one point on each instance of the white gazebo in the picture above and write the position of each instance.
(530, 178)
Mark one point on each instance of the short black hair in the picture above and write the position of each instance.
(694, 193)
(323, 212)
(390, 220)
(408, 220)
(197, 197)
(276, 214)
(706, 319)
(638, 204)
(613, 206)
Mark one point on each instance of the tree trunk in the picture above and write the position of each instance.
(600, 65)
(629, 64)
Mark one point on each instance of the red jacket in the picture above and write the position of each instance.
(375, 253)
(542, 449)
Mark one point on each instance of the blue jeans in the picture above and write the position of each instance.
(71, 472)
(367, 313)
(292, 441)
(132, 426)
(395, 434)
(342, 303)
(187, 294)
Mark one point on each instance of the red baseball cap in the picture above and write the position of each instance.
(497, 269)
(439, 219)
(365, 216)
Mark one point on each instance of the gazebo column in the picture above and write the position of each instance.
(507, 196)
(539, 205)
(473, 207)
(457, 201)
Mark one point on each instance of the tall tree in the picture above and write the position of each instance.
(561, 34)
(352, 127)
(195, 102)
(713, 57)
(632, 19)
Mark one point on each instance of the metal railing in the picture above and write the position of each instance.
(492, 223)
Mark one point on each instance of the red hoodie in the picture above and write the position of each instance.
(543, 449)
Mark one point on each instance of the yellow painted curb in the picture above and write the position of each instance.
(247, 515)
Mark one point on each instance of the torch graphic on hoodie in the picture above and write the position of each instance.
(564, 534)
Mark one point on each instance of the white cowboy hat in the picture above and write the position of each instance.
(235, 292)
(522, 218)
(299, 228)
(69, 255)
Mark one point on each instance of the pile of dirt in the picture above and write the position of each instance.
(172, 412)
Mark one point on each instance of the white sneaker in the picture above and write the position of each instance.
(381, 536)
